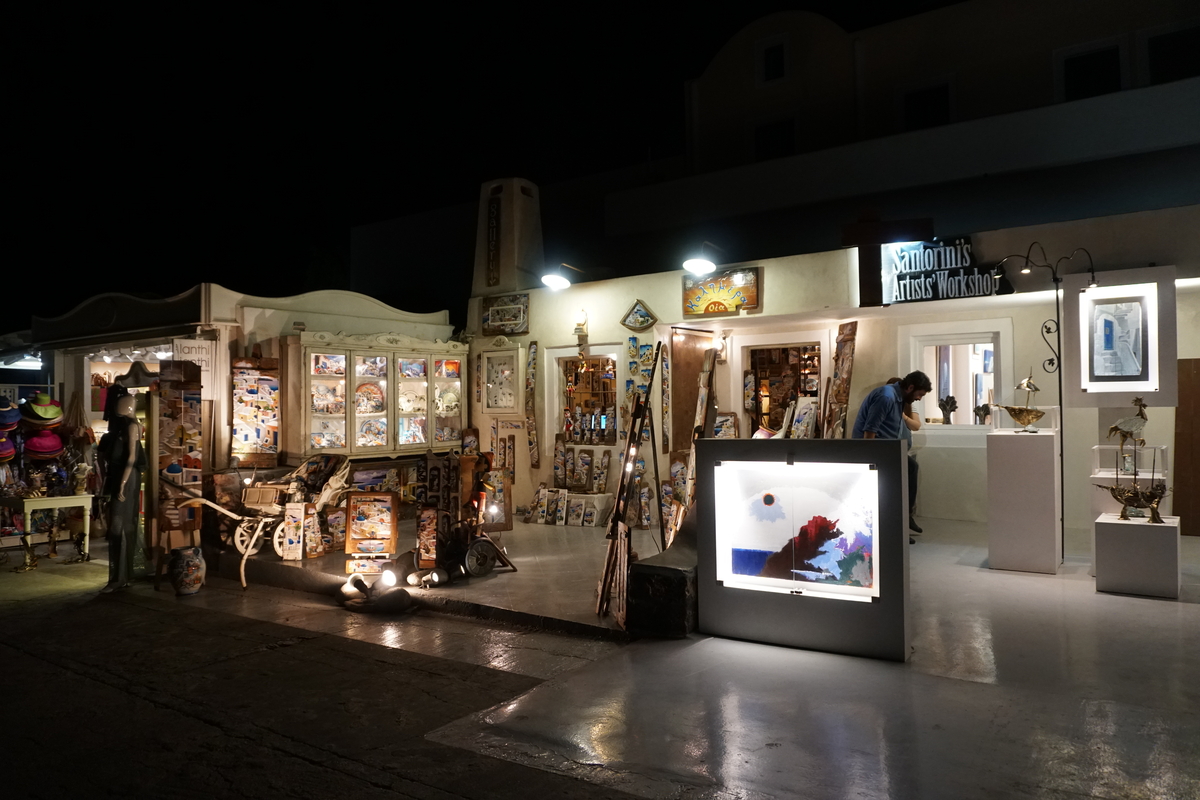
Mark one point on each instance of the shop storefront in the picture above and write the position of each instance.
(783, 332)
(226, 385)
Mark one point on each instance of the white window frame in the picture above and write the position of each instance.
(911, 342)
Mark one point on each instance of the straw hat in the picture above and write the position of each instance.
(41, 410)
(44, 444)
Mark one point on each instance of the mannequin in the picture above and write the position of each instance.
(123, 480)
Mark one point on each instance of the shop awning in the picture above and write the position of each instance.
(112, 317)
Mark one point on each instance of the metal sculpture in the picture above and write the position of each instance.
(1134, 495)
(1130, 428)
(1025, 416)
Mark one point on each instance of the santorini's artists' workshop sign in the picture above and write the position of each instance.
(918, 271)
(720, 293)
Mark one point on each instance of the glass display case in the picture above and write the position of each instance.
(327, 401)
(1112, 461)
(447, 400)
(364, 398)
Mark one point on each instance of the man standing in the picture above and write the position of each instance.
(881, 416)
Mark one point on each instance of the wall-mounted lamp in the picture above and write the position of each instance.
(722, 344)
(556, 279)
(702, 264)
(581, 322)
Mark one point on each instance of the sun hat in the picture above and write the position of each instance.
(7, 448)
(41, 409)
(44, 444)
(9, 414)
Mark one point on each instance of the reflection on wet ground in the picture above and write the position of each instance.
(1020, 685)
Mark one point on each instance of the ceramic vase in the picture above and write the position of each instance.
(187, 569)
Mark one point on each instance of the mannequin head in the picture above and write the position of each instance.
(127, 407)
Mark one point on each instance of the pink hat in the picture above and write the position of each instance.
(7, 448)
(44, 444)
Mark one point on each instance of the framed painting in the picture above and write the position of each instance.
(1118, 338)
(502, 381)
(371, 520)
(725, 292)
(726, 426)
(506, 315)
(639, 317)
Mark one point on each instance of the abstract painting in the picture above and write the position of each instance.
(806, 527)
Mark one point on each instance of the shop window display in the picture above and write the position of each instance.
(589, 400)
(777, 376)
(381, 395)
(964, 372)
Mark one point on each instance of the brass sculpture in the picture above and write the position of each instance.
(1130, 428)
(1024, 415)
(1133, 495)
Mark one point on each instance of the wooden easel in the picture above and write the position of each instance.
(613, 590)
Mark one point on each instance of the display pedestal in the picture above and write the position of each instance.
(1137, 557)
(1024, 501)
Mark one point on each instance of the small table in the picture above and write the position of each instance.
(1136, 556)
(27, 504)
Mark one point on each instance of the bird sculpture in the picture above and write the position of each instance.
(1024, 415)
(1130, 428)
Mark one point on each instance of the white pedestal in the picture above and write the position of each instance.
(1024, 501)
(1136, 556)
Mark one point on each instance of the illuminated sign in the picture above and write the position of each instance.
(918, 271)
(720, 293)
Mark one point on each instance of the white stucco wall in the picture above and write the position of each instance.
(805, 298)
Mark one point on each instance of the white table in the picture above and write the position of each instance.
(27, 504)
(1136, 556)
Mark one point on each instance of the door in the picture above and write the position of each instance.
(687, 359)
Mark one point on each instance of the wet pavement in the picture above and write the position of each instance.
(1020, 685)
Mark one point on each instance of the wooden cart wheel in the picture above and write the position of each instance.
(481, 558)
(277, 540)
(243, 534)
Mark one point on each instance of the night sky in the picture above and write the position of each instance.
(155, 153)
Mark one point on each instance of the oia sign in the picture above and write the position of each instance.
(919, 271)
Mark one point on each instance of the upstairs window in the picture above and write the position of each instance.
(1174, 56)
(771, 63)
(1091, 74)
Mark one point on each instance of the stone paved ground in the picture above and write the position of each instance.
(139, 694)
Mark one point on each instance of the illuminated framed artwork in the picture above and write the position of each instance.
(803, 542)
(1119, 338)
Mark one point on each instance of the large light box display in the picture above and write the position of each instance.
(803, 542)
(798, 528)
